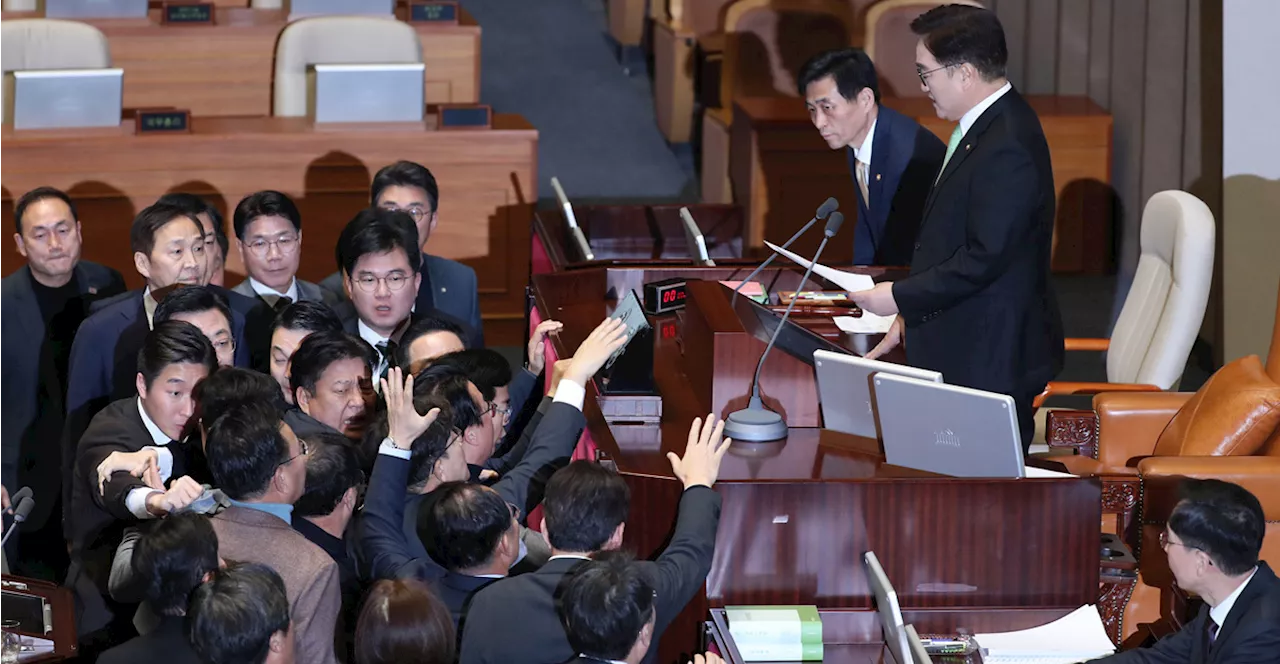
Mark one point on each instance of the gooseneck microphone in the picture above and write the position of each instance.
(755, 423)
(823, 212)
(23, 503)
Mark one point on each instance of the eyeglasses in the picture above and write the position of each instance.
(1165, 543)
(505, 412)
(417, 213)
(302, 451)
(369, 283)
(287, 244)
(924, 75)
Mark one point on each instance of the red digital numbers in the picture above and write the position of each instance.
(673, 295)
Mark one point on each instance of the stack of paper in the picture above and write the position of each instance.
(1076, 637)
(776, 633)
(869, 323)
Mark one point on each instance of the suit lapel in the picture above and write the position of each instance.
(881, 154)
(30, 321)
(968, 143)
(1258, 585)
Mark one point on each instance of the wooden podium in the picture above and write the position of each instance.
(51, 627)
(797, 515)
(640, 235)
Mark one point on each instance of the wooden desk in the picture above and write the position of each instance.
(488, 180)
(639, 235)
(781, 168)
(227, 68)
(798, 514)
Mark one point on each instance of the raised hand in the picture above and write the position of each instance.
(538, 346)
(700, 464)
(404, 422)
(894, 337)
(609, 335)
(182, 492)
(137, 464)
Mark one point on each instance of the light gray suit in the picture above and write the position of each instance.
(307, 292)
(310, 575)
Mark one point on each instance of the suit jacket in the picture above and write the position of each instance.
(905, 159)
(168, 641)
(385, 553)
(350, 322)
(307, 292)
(448, 287)
(1249, 635)
(310, 575)
(523, 610)
(456, 590)
(978, 304)
(30, 429)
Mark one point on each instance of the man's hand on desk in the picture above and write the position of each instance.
(878, 300)
(892, 339)
(701, 462)
(608, 336)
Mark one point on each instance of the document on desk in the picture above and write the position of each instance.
(869, 323)
(846, 280)
(1076, 637)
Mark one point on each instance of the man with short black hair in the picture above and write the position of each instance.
(268, 231)
(446, 285)
(205, 308)
(585, 512)
(426, 339)
(174, 358)
(260, 464)
(241, 616)
(893, 159)
(215, 236)
(1213, 539)
(44, 303)
(609, 609)
(474, 534)
(329, 381)
(334, 481)
(172, 559)
(298, 321)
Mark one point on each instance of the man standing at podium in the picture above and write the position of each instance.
(892, 158)
(978, 305)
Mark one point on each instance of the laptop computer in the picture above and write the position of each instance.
(95, 8)
(694, 238)
(948, 429)
(369, 93)
(66, 98)
(895, 638)
(844, 390)
(305, 8)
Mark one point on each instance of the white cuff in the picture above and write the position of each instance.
(136, 501)
(571, 393)
(165, 457)
(391, 450)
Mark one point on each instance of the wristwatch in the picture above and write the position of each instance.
(391, 441)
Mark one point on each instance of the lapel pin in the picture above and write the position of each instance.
(877, 177)
(93, 290)
(968, 145)
(444, 290)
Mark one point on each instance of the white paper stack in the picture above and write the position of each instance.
(1076, 637)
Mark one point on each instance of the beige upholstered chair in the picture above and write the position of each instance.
(267, 4)
(336, 40)
(1162, 313)
(21, 5)
(41, 43)
(890, 43)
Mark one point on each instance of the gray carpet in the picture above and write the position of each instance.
(552, 62)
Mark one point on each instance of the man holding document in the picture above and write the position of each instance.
(978, 305)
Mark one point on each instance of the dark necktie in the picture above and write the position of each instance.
(387, 352)
(282, 303)
(1213, 632)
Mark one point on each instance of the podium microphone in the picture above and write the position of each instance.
(19, 514)
(823, 212)
(756, 423)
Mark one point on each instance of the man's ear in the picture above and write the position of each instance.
(22, 246)
(417, 281)
(866, 97)
(615, 540)
(349, 498)
(142, 263)
(141, 383)
(276, 642)
(346, 283)
(301, 398)
(431, 225)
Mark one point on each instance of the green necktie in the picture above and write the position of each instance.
(954, 143)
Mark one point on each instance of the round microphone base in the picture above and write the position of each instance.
(755, 425)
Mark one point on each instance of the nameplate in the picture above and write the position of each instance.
(440, 12)
(464, 116)
(187, 13)
(163, 121)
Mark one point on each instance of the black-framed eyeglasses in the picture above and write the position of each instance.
(287, 244)
(369, 283)
(1165, 543)
(490, 408)
(924, 75)
(302, 451)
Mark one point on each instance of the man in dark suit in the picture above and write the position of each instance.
(585, 512)
(268, 230)
(174, 358)
(44, 303)
(892, 158)
(978, 304)
(290, 328)
(169, 248)
(329, 375)
(173, 557)
(1213, 539)
(215, 234)
(446, 286)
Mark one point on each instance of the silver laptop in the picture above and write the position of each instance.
(895, 637)
(66, 98)
(948, 429)
(95, 8)
(694, 238)
(305, 8)
(918, 653)
(844, 390)
(369, 93)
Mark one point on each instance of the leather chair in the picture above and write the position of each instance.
(1162, 313)
(335, 40)
(891, 44)
(42, 43)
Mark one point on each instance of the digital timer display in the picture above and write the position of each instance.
(665, 296)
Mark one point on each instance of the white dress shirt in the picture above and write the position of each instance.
(1219, 613)
(136, 500)
(967, 120)
(270, 294)
(149, 305)
(863, 152)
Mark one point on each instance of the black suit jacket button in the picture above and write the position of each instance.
(917, 246)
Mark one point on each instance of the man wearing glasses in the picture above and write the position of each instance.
(269, 234)
(1213, 541)
(446, 286)
(978, 305)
